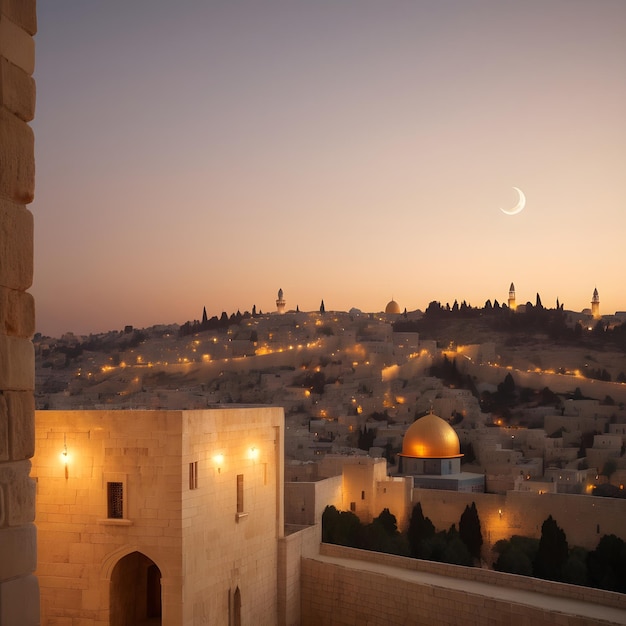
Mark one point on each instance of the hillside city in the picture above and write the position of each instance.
(536, 395)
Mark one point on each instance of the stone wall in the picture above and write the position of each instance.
(583, 518)
(19, 593)
(382, 591)
(305, 501)
(291, 549)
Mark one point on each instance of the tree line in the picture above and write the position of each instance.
(550, 557)
(421, 541)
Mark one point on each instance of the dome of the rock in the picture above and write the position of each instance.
(431, 437)
(392, 308)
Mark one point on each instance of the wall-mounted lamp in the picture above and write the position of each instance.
(253, 453)
(64, 455)
(218, 459)
(500, 513)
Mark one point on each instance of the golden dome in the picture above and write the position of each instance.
(430, 437)
(392, 308)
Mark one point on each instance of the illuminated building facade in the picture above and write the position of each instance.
(173, 516)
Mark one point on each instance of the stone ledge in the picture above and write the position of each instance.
(115, 522)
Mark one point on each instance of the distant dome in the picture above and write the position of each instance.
(393, 308)
(431, 437)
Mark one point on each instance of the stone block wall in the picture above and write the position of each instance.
(336, 589)
(19, 592)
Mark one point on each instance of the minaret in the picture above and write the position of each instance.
(280, 302)
(512, 304)
(595, 304)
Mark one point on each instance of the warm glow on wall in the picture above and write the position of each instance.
(253, 453)
(218, 459)
(65, 456)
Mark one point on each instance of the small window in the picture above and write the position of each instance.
(115, 500)
(239, 493)
(362, 495)
(193, 475)
(353, 506)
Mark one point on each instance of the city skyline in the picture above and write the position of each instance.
(210, 154)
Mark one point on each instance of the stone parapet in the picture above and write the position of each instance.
(19, 589)
(383, 589)
(490, 577)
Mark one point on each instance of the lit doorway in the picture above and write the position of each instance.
(135, 592)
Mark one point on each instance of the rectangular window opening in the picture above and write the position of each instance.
(239, 493)
(193, 475)
(115, 500)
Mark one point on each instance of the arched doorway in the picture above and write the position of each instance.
(135, 597)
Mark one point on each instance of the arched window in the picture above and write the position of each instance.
(237, 608)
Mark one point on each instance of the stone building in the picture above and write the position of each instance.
(173, 516)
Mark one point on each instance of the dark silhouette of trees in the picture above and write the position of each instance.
(606, 565)
(516, 555)
(421, 530)
(341, 527)
(213, 323)
(552, 552)
(469, 530)
(575, 568)
(609, 468)
(455, 551)
(366, 437)
(382, 535)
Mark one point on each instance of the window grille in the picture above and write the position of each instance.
(115, 500)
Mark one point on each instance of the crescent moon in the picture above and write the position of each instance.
(521, 203)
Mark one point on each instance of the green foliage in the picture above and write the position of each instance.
(575, 568)
(456, 551)
(606, 565)
(421, 530)
(469, 530)
(552, 552)
(382, 535)
(516, 555)
(341, 527)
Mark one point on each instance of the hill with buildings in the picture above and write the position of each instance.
(353, 381)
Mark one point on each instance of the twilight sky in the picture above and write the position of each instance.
(208, 152)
